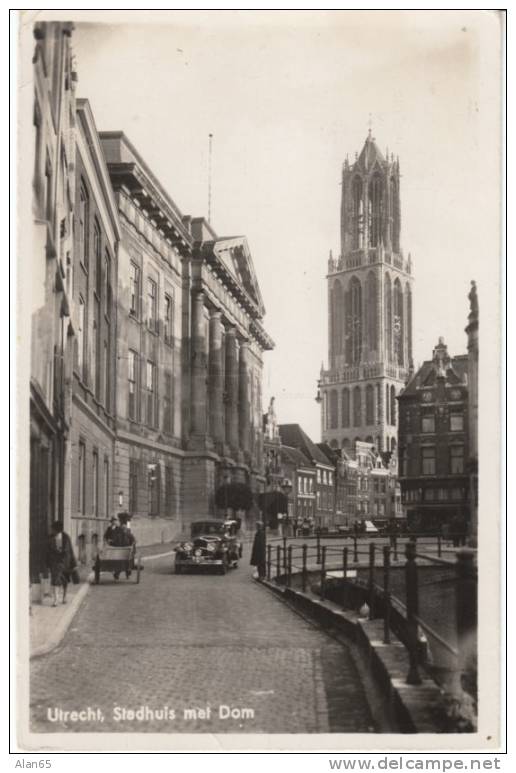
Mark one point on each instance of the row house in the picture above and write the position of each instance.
(293, 435)
(49, 244)
(434, 443)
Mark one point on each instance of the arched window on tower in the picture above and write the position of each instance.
(357, 407)
(388, 317)
(398, 324)
(345, 408)
(334, 409)
(337, 317)
(369, 405)
(358, 213)
(408, 301)
(387, 404)
(375, 210)
(371, 307)
(394, 215)
(355, 320)
(393, 406)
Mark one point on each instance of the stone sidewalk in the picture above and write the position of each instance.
(48, 625)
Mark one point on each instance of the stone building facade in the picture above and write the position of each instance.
(369, 308)
(434, 443)
(49, 243)
(94, 317)
(472, 333)
(190, 342)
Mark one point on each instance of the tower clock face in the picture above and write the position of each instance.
(427, 396)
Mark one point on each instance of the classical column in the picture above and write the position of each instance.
(243, 398)
(198, 424)
(215, 379)
(231, 390)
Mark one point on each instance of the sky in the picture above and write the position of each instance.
(287, 95)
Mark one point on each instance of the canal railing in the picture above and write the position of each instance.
(423, 587)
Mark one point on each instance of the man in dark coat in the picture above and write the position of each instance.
(111, 531)
(124, 538)
(258, 552)
(60, 560)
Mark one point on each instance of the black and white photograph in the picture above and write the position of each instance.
(259, 274)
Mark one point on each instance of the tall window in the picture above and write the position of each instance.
(358, 214)
(108, 292)
(369, 405)
(132, 377)
(334, 409)
(168, 418)
(134, 284)
(83, 217)
(345, 408)
(355, 321)
(97, 257)
(428, 460)
(337, 307)
(107, 493)
(388, 316)
(106, 376)
(81, 498)
(457, 460)
(371, 312)
(357, 407)
(150, 386)
(428, 423)
(95, 483)
(169, 319)
(80, 338)
(456, 422)
(375, 210)
(154, 488)
(48, 189)
(152, 303)
(398, 324)
(393, 406)
(133, 486)
(95, 350)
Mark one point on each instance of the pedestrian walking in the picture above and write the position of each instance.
(60, 560)
(124, 538)
(259, 550)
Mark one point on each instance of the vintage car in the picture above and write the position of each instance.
(212, 545)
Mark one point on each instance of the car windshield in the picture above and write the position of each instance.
(207, 527)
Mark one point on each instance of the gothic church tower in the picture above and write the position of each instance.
(369, 308)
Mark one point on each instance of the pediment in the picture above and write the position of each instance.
(234, 253)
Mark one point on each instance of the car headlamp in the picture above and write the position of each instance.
(211, 547)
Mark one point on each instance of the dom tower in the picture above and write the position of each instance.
(369, 308)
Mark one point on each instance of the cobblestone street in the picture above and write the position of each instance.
(222, 649)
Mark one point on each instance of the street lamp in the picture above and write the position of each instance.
(120, 498)
(286, 487)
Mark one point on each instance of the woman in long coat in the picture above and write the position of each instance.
(258, 551)
(60, 560)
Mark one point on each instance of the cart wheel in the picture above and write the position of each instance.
(178, 569)
(138, 570)
(97, 572)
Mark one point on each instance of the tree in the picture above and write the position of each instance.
(237, 496)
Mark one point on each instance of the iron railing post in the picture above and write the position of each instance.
(412, 597)
(372, 548)
(466, 605)
(289, 566)
(318, 544)
(345, 562)
(386, 595)
(355, 549)
(278, 562)
(303, 579)
(323, 571)
(269, 561)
